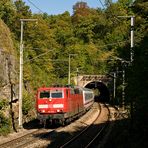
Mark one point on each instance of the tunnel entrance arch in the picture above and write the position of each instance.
(99, 83)
(101, 91)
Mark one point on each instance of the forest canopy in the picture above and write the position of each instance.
(97, 36)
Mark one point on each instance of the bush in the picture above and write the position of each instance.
(3, 104)
(5, 124)
(28, 103)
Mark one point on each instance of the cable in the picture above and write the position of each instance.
(38, 56)
(35, 6)
(66, 60)
(101, 4)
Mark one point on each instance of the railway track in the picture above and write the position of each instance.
(88, 136)
(27, 139)
(81, 133)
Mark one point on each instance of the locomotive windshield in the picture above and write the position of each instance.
(56, 94)
(51, 94)
(45, 94)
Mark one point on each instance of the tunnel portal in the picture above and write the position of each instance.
(98, 83)
(101, 91)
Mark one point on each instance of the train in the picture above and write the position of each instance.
(62, 104)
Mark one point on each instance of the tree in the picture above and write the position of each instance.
(7, 11)
(140, 65)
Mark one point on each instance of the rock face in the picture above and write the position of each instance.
(8, 72)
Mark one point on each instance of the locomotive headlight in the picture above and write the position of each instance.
(59, 111)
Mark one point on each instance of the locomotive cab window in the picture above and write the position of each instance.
(56, 94)
(44, 94)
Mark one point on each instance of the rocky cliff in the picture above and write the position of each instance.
(8, 73)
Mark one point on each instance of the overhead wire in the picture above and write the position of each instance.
(99, 46)
(99, 1)
(38, 56)
(102, 4)
(42, 54)
(35, 6)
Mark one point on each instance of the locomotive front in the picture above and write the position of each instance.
(50, 104)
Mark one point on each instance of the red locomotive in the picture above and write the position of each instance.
(62, 104)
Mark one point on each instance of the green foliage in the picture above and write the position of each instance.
(7, 11)
(28, 102)
(22, 9)
(5, 124)
(3, 103)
